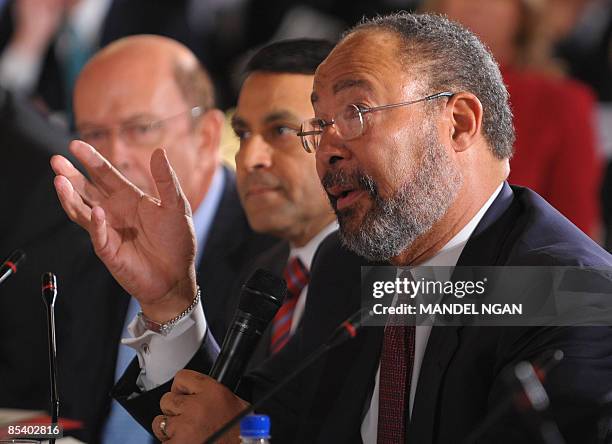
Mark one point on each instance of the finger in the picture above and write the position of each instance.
(103, 174)
(157, 430)
(72, 203)
(98, 231)
(189, 382)
(166, 181)
(172, 403)
(87, 191)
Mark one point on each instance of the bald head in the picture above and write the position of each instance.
(141, 55)
(146, 92)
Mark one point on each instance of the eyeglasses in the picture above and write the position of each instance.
(350, 123)
(141, 133)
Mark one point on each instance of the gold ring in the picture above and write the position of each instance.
(162, 427)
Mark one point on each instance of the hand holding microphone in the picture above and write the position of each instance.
(199, 408)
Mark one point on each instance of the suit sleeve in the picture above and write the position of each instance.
(144, 406)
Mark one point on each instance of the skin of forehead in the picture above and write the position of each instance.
(138, 60)
(370, 55)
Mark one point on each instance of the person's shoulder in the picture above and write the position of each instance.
(543, 236)
(554, 88)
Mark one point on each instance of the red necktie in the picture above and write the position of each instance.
(296, 276)
(396, 361)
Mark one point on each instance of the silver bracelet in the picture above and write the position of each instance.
(166, 327)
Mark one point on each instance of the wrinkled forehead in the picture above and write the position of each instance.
(367, 63)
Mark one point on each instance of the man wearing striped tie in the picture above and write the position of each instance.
(278, 185)
(281, 195)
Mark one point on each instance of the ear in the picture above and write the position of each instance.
(465, 111)
(210, 127)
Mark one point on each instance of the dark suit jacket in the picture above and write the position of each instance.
(460, 378)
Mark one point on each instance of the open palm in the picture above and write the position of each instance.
(147, 244)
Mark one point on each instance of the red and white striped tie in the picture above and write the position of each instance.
(296, 275)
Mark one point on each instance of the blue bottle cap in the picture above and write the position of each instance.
(255, 426)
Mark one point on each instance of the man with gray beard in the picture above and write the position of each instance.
(396, 222)
(412, 134)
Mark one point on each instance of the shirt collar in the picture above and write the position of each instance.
(449, 254)
(203, 215)
(306, 252)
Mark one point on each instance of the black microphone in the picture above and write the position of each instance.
(345, 331)
(49, 293)
(261, 297)
(529, 396)
(9, 266)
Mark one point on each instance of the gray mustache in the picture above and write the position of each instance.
(355, 180)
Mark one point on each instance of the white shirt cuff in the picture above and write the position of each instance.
(161, 357)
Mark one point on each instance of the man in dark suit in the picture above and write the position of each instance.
(135, 95)
(278, 185)
(276, 182)
(412, 139)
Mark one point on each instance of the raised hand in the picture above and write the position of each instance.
(147, 243)
(36, 23)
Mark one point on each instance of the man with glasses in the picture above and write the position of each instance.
(276, 182)
(136, 95)
(412, 135)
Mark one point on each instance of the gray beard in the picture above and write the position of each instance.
(391, 225)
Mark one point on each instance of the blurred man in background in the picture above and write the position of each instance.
(138, 94)
(119, 99)
(281, 194)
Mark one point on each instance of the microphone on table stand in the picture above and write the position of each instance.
(49, 293)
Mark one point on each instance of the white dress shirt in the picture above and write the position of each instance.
(447, 256)
(160, 357)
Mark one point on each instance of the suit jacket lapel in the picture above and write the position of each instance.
(483, 248)
(338, 398)
(343, 414)
(227, 228)
(441, 346)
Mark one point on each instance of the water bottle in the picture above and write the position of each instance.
(255, 429)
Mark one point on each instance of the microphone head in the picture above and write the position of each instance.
(49, 288)
(15, 259)
(262, 295)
